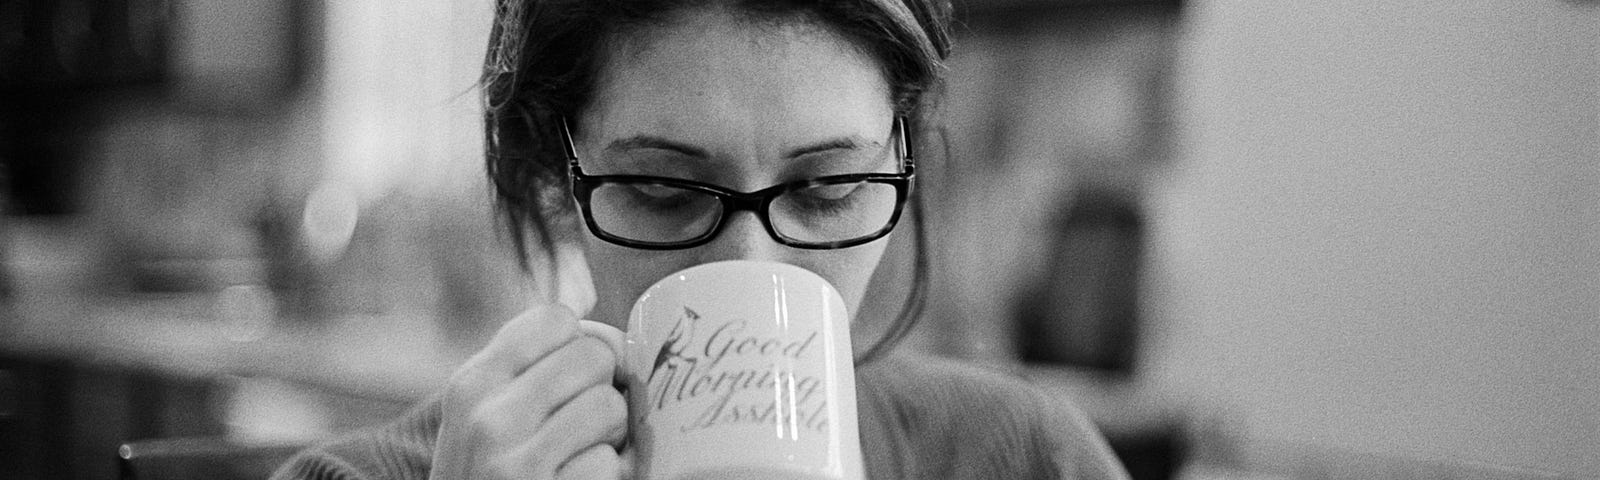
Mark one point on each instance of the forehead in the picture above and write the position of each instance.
(707, 70)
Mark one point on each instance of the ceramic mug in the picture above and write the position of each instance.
(742, 369)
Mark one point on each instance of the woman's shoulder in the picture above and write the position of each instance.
(964, 420)
(934, 383)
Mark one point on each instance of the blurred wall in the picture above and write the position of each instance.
(1046, 101)
(1381, 230)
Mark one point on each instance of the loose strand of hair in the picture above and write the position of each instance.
(911, 309)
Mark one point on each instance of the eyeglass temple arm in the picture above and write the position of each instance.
(566, 143)
(904, 144)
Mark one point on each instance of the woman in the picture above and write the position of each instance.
(743, 96)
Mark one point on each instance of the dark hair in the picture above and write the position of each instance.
(542, 62)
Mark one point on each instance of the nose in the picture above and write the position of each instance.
(743, 238)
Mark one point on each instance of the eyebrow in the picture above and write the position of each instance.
(649, 142)
(841, 143)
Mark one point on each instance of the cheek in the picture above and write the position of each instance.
(849, 270)
(622, 274)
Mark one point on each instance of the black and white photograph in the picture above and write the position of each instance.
(799, 239)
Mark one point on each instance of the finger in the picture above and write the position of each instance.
(583, 363)
(625, 463)
(599, 461)
(526, 339)
(613, 338)
(574, 285)
(598, 416)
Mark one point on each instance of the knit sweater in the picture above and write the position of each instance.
(920, 418)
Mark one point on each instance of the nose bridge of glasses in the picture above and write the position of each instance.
(744, 235)
(755, 204)
(734, 202)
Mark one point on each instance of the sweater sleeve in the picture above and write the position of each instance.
(929, 418)
(1065, 435)
(920, 418)
(401, 450)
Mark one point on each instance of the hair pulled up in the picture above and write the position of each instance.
(541, 66)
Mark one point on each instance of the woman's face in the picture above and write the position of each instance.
(744, 104)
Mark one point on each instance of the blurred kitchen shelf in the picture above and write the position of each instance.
(391, 356)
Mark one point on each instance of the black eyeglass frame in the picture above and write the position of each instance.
(759, 201)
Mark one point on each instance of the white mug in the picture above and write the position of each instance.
(742, 369)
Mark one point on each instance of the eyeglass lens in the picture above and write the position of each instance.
(666, 213)
(833, 212)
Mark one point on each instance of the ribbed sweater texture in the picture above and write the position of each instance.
(920, 418)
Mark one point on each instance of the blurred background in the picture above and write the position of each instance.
(1345, 239)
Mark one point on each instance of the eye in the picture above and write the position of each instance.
(834, 211)
(826, 199)
(657, 197)
(838, 191)
(654, 191)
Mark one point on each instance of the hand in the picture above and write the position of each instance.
(539, 402)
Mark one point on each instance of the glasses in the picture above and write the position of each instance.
(662, 213)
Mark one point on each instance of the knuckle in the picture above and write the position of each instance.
(598, 348)
(597, 355)
(487, 419)
(464, 390)
(587, 403)
(615, 425)
(607, 412)
(468, 380)
(479, 423)
(537, 458)
(612, 336)
(584, 362)
(550, 320)
(536, 325)
(518, 463)
(612, 403)
(599, 461)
